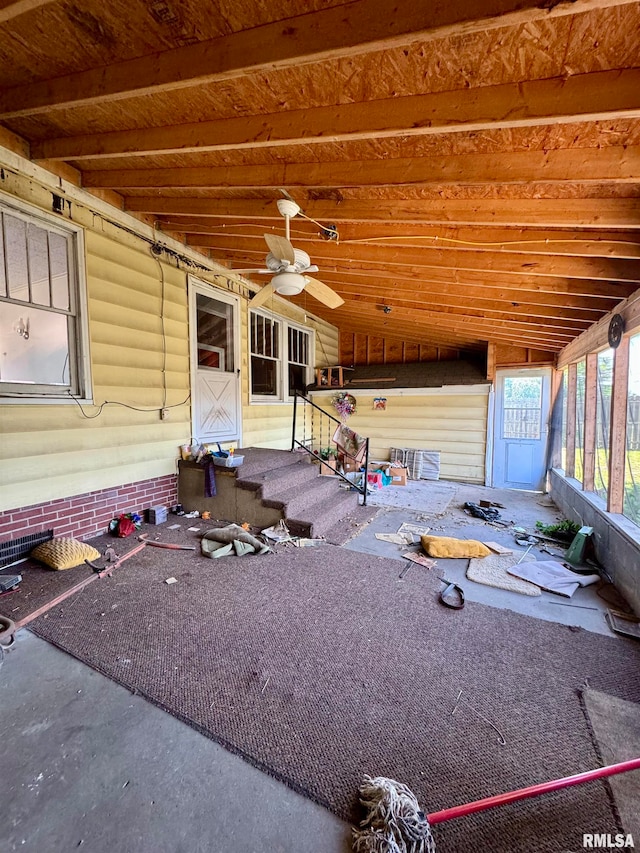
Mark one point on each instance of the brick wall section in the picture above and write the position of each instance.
(84, 516)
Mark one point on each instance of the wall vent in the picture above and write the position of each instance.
(20, 548)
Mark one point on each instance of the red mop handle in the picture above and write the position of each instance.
(533, 791)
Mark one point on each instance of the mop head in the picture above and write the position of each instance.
(394, 822)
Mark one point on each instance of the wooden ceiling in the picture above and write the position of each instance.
(480, 160)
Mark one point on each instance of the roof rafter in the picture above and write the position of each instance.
(613, 270)
(606, 213)
(10, 9)
(601, 95)
(359, 27)
(616, 164)
(448, 237)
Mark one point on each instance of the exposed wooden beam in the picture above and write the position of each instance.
(603, 95)
(565, 304)
(355, 254)
(606, 213)
(359, 27)
(481, 309)
(417, 299)
(584, 165)
(534, 241)
(596, 336)
(10, 9)
(469, 321)
(618, 432)
(491, 361)
(457, 290)
(455, 332)
(505, 286)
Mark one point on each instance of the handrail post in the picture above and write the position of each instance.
(293, 431)
(366, 472)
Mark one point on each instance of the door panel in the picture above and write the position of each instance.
(521, 429)
(215, 382)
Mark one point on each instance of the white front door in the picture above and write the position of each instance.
(215, 360)
(521, 429)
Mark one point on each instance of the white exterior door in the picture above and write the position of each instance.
(215, 364)
(521, 429)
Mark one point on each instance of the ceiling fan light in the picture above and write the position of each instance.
(288, 283)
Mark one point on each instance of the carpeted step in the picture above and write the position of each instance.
(295, 500)
(258, 460)
(273, 482)
(320, 517)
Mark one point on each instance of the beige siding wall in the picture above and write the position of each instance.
(52, 451)
(269, 425)
(451, 420)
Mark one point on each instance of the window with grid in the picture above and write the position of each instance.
(299, 362)
(265, 356)
(280, 358)
(40, 331)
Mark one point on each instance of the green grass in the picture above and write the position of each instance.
(632, 475)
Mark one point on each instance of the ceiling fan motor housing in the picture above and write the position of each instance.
(288, 283)
(302, 262)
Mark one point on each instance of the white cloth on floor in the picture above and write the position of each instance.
(552, 576)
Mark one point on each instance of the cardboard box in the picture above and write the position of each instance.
(398, 476)
(350, 465)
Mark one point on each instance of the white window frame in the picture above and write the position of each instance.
(282, 372)
(25, 394)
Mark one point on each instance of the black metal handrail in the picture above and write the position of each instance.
(312, 439)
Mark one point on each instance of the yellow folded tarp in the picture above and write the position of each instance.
(446, 546)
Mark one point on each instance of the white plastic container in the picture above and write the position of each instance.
(228, 461)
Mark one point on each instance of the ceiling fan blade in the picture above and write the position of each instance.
(262, 272)
(262, 296)
(280, 248)
(322, 292)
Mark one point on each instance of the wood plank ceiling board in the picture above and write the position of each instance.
(481, 162)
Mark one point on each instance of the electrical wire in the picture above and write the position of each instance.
(436, 238)
(331, 229)
(164, 337)
(124, 405)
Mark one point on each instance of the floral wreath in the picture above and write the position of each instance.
(344, 404)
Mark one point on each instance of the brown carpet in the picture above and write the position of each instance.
(39, 585)
(318, 666)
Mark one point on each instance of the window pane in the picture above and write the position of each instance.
(264, 376)
(34, 346)
(522, 407)
(215, 332)
(297, 378)
(16, 257)
(632, 468)
(38, 251)
(580, 392)
(3, 280)
(604, 383)
(59, 261)
(563, 407)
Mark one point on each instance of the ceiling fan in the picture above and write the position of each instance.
(289, 267)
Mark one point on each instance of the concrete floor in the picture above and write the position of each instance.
(439, 506)
(86, 765)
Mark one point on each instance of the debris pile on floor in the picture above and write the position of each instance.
(232, 539)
